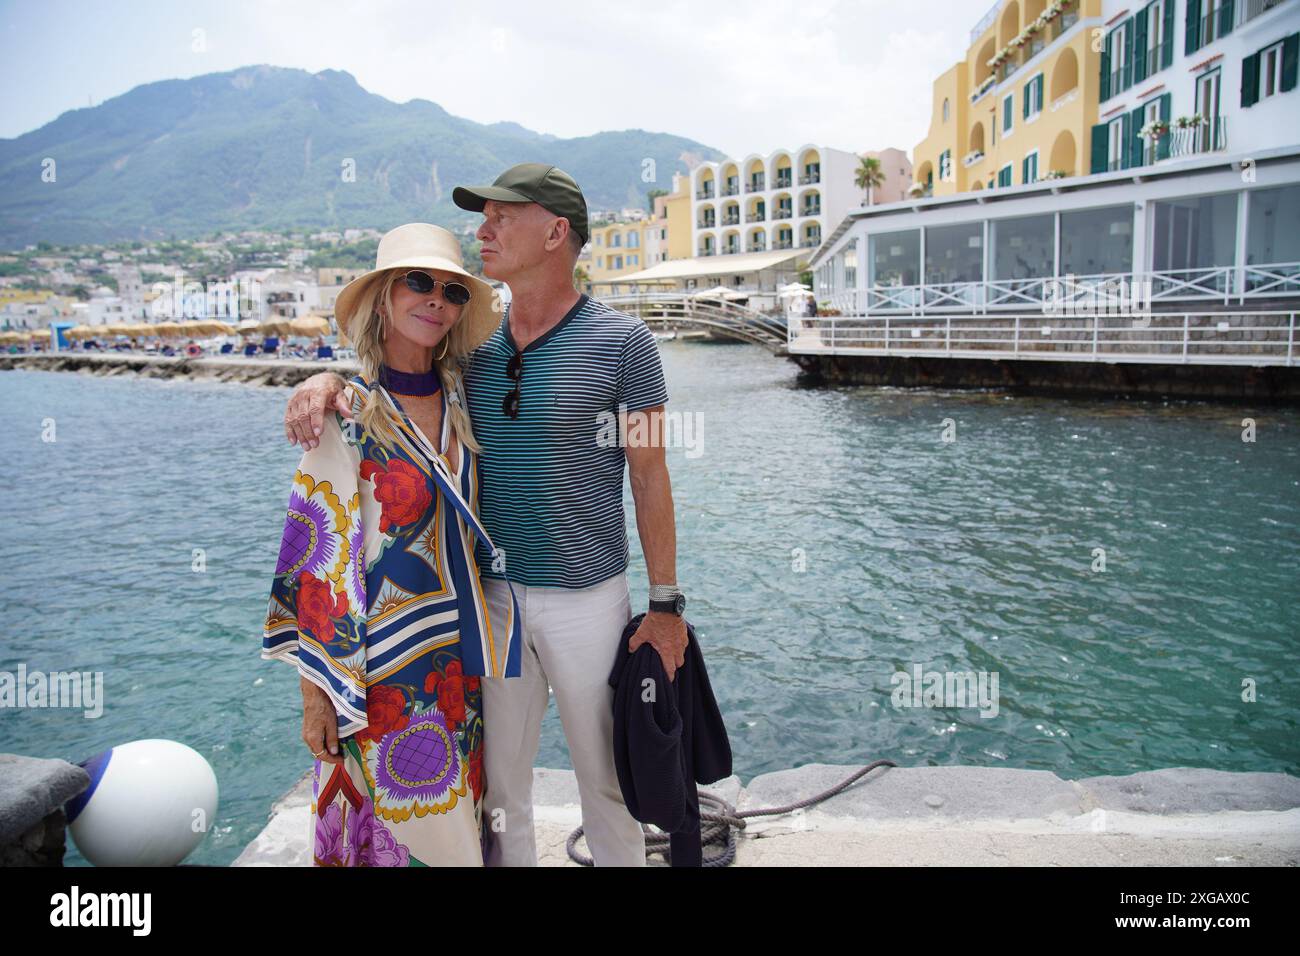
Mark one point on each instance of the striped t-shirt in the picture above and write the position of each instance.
(551, 494)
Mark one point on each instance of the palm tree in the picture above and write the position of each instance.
(868, 176)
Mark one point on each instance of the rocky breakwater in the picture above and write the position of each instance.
(251, 371)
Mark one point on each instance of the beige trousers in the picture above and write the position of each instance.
(570, 639)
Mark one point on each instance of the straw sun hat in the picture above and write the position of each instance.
(420, 245)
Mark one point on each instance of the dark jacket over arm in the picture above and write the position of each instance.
(668, 736)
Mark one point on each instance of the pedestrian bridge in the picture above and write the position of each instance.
(683, 310)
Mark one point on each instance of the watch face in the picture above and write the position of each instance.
(681, 604)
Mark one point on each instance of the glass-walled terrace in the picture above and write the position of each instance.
(1227, 247)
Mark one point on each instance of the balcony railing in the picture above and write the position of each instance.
(705, 193)
(706, 224)
(1248, 10)
(985, 22)
(813, 210)
(1061, 24)
(783, 244)
(731, 189)
(808, 179)
(784, 182)
(755, 185)
(812, 241)
(1210, 137)
(984, 87)
(1156, 58)
(706, 251)
(783, 213)
(754, 217)
(758, 247)
(1215, 25)
(732, 219)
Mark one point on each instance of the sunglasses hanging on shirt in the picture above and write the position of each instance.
(514, 372)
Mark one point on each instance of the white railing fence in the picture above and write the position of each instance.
(1217, 338)
(1222, 285)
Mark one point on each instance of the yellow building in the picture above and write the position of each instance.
(1020, 107)
(676, 209)
(622, 248)
(619, 248)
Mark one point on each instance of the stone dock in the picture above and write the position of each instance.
(942, 816)
(217, 368)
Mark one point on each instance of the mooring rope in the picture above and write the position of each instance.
(718, 825)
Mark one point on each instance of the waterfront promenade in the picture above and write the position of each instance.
(943, 816)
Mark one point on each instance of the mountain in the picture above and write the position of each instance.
(265, 147)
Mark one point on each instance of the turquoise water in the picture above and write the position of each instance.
(970, 555)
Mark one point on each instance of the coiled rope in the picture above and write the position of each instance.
(719, 823)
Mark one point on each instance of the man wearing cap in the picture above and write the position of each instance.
(542, 392)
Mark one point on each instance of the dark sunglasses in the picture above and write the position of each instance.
(422, 283)
(514, 372)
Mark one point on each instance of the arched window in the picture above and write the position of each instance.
(945, 110)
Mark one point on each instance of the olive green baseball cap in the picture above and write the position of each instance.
(549, 186)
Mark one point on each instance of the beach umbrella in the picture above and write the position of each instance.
(248, 327)
(310, 326)
(167, 330)
(717, 292)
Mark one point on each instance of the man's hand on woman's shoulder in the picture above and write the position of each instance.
(305, 416)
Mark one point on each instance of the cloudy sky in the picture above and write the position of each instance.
(853, 74)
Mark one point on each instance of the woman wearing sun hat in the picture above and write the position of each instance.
(376, 596)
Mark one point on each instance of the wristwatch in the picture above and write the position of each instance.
(666, 599)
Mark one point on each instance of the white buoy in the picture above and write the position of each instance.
(149, 803)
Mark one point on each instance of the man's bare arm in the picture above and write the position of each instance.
(305, 416)
(656, 525)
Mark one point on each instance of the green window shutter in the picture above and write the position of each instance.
(1167, 48)
(1225, 18)
(1024, 170)
(1192, 41)
(1250, 80)
(1100, 140)
(1163, 143)
(1133, 126)
(1105, 70)
(1290, 54)
(1039, 80)
(1127, 79)
(1139, 31)
(1024, 101)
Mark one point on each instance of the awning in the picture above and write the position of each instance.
(739, 264)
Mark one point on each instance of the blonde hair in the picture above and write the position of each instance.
(366, 328)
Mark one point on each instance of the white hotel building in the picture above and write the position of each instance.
(786, 200)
